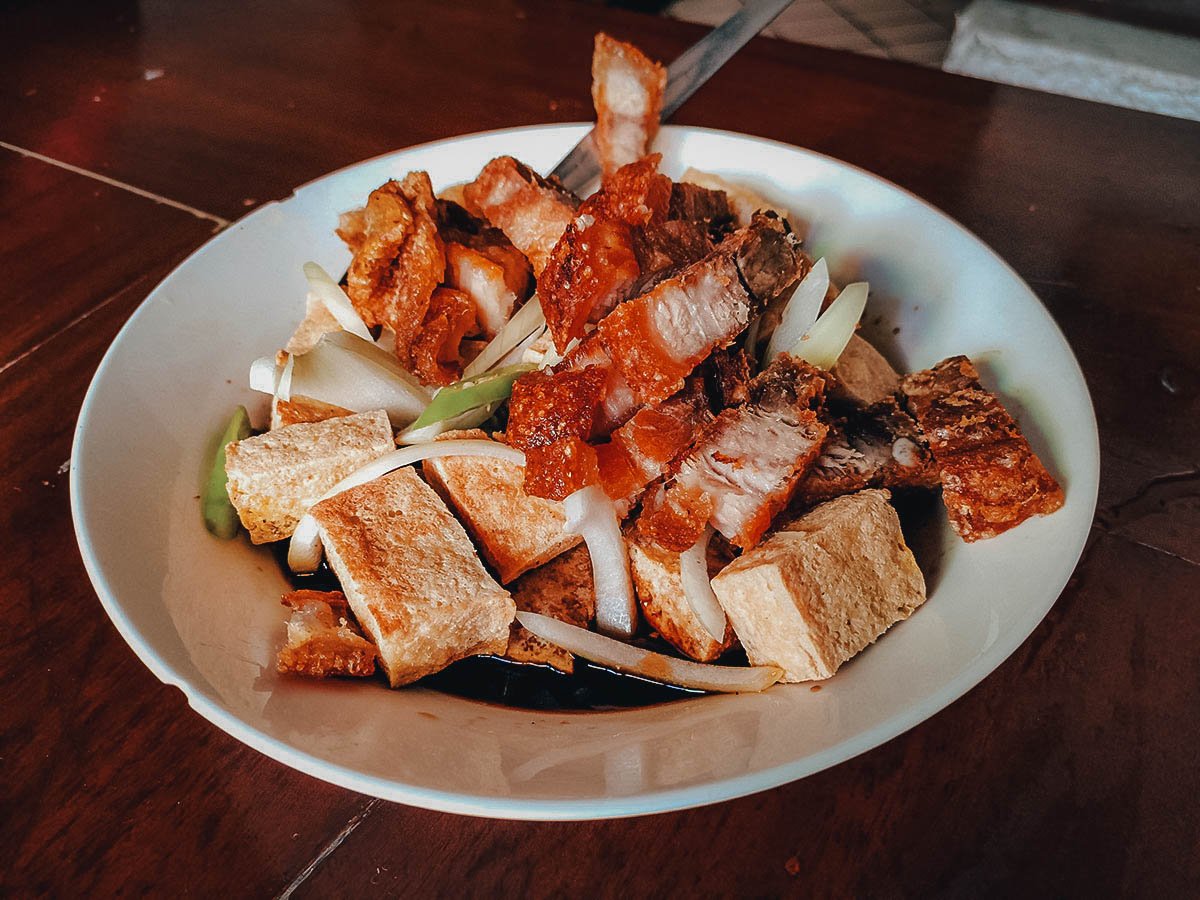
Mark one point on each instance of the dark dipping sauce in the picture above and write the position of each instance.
(492, 679)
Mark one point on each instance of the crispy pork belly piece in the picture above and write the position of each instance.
(274, 478)
(743, 467)
(809, 598)
(743, 201)
(693, 203)
(619, 245)
(627, 90)
(727, 376)
(636, 193)
(484, 264)
(531, 211)
(660, 594)
(412, 577)
(617, 401)
(550, 417)
(657, 339)
(645, 446)
(398, 257)
(562, 589)
(483, 281)
(643, 351)
(991, 479)
(663, 249)
(592, 268)
(303, 409)
(878, 447)
(515, 531)
(862, 376)
(322, 638)
(435, 350)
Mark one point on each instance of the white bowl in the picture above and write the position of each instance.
(204, 614)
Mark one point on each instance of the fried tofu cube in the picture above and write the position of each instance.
(659, 588)
(411, 576)
(274, 478)
(514, 531)
(322, 638)
(817, 593)
(562, 589)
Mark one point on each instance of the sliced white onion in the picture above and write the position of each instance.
(305, 551)
(264, 375)
(283, 385)
(657, 666)
(525, 321)
(347, 371)
(801, 310)
(697, 589)
(334, 299)
(472, 418)
(831, 333)
(591, 514)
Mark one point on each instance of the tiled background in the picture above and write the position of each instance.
(1154, 68)
(915, 31)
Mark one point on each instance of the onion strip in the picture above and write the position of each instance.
(697, 588)
(801, 310)
(591, 513)
(346, 371)
(264, 375)
(831, 332)
(283, 385)
(525, 321)
(305, 550)
(684, 673)
(334, 299)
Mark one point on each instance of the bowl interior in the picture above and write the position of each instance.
(204, 614)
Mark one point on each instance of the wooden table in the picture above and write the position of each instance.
(131, 132)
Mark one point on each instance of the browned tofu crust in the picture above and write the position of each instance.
(323, 638)
(562, 589)
(991, 479)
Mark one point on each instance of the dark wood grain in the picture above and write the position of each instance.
(111, 784)
(1071, 771)
(70, 240)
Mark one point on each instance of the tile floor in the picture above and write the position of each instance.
(916, 31)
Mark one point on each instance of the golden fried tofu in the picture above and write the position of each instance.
(562, 589)
(411, 576)
(818, 592)
(514, 531)
(274, 478)
(660, 594)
